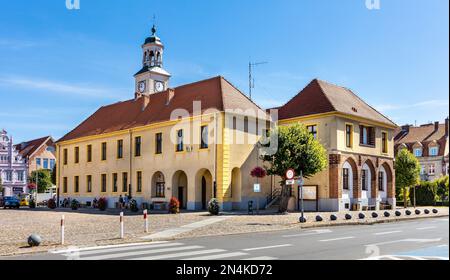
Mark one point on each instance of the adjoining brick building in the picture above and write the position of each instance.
(429, 143)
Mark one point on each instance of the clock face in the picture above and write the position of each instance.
(159, 86)
(141, 87)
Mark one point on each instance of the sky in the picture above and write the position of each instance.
(58, 66)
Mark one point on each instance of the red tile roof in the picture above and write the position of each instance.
(323, 97)
(214, 94)
(27, 149)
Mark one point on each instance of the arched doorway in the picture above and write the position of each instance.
(368, 184)
(236, 190)
(158, 189)
(382, 184)
(387, 183)
(180, 188)
(203, 189)
(350, 190)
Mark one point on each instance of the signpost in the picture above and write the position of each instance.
(300, 184)
(257, 189)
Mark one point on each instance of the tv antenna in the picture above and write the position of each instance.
(251, 80)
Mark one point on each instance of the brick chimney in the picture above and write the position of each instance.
(446, 127)
(405, 128)
(436, 126)
(170, 95)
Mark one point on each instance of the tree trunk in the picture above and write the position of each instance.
(414, 197)
(285, 196)
(405, 197)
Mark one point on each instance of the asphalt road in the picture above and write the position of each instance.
(424, 239)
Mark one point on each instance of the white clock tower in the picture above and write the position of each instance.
(152, 78)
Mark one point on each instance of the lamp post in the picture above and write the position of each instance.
(300, 183)
(37, 179)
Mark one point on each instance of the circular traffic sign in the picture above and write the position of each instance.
(290, 174)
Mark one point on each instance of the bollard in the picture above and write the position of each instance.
(121, 225)
(145, 221)
(62, 229)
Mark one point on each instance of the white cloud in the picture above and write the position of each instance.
(78, 90)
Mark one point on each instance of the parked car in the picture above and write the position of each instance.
(11, 202)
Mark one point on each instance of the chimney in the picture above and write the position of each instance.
(145, 102)
(446, 127)
(170, 95)
(436, 126)
(405, 128)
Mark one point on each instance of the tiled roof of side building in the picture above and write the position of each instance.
(26, 149)
(323, 97)
(215, 94)
(424, 133)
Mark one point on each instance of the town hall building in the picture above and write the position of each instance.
(200, 141)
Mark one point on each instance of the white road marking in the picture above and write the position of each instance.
(314, 232)
(387, 232)
(407, 240)
(337, 239)
(260, 259)
(425, 228)
(104, 247)
(116, 250)
(148, 252)
(179, 255)
(267, 247)
(217, 257)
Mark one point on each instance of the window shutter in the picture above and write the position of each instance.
(372, 136)
(361, 134)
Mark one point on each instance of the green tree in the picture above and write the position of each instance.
(298, 150)
(44, 180)
(1, 187)
(442, 188)
(407, 172)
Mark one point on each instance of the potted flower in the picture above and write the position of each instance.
(174, 206)
(134, 206)
(102, 204)
(258, 172)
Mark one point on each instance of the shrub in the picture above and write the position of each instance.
(174, 206)
(51, 203)
(442, 188)
(102, 204)
(74, 204)
(425, 194)
(213, 207)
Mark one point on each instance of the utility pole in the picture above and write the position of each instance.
(251, 81)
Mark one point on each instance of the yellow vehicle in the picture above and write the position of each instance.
(24, 201)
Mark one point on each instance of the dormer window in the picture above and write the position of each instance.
(434, 151)
(418, 152)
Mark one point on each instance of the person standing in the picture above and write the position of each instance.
(121, 202)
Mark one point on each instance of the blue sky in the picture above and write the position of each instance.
(57, 66)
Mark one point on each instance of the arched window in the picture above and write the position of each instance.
(152, 58)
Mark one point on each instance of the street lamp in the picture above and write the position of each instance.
(300, 183)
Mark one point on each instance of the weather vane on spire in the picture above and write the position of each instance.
(154, 25)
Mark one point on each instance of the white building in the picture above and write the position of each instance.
(13, 168)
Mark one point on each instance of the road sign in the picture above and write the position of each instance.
(290, 182)
(300, 181)
(257, 188)
(290, 174)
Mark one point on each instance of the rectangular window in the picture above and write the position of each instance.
(384, 142)
(313, 130)
(204, 137)
(431, 169)
(346, 179)
(114, 182)
(20, 176)
(367, 135)
(139, 181)
(89, 153)
(158, 143)
(77, 155)
(76, 184)
(89, 183)
(137, 146)
(160, 190)
(65, 185)
(364, 180)
(104, 147)
(381, 181)
(124, 182)
(418, 152)
(434, 151)
(52, 164)
(349, 136)
(46, 163)
(39, 163)
(103, 183)
(64, 157)
(180, 144)
(119, 149)
(246, 124)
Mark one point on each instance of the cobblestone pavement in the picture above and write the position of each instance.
(91, 227)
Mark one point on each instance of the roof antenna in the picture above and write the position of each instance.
(251, 80)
